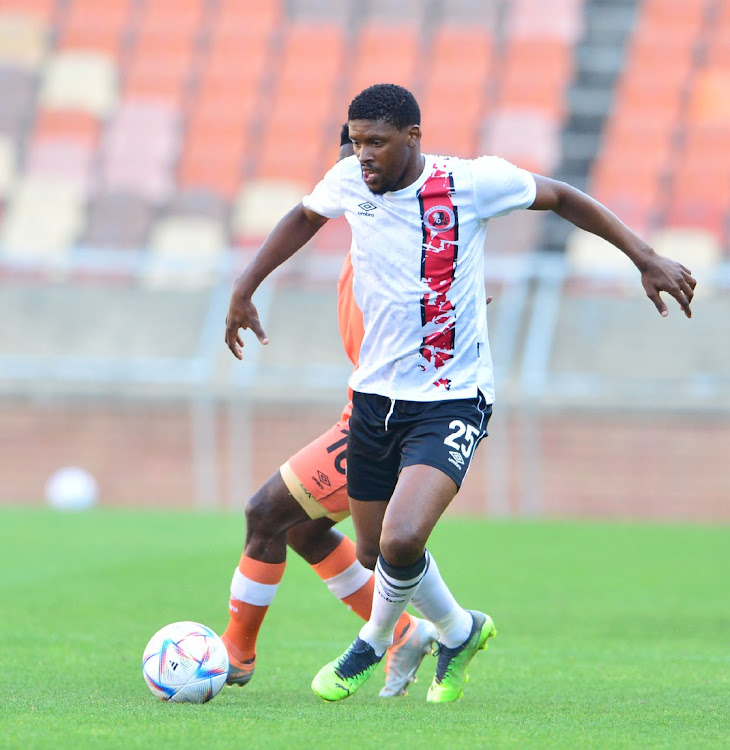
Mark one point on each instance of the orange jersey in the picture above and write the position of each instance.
(349, 316)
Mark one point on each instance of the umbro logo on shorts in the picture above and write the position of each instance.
(457, 459)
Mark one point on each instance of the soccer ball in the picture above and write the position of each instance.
(185, 662)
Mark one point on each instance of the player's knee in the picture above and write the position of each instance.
(367, 555)
(262, 516)
(313, 540)
(402, 549)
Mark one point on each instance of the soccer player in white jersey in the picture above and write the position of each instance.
(424, 386)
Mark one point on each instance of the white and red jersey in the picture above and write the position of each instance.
(418, 260)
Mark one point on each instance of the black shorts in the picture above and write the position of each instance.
(385, 436)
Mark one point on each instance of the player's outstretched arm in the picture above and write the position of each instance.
(658, 274)
(294, 230)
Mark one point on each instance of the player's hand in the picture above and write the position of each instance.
(661, 274)
(242, 313)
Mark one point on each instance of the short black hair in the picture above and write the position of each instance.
(345, 136)
(388, 102)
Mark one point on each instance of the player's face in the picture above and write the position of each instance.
(389, 158)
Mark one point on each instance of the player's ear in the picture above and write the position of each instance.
(414, 135)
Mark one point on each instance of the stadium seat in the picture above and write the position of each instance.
(118, 220)
(527, 138)
(299, 160)
(260, 204)
(333, 238)
(456, 87)
(544, 19)
(18, 89)
(172, 17)
(205, 166)
(67, 160)
(385, 53)
(160, 67)
(514, 234)
(473, 13)
(93, 26)
(301, 69)
(258, 17)
(589, 255)
(672, 17)
(700, 194)
(184, 252)
(23, 40)
(44, 218)
(199, 202)
(8, 165)
(153, 184)
(41, 9)
(386, 11)
(80, 80)
(709, 102)
(316, 11)
(68, 124)
(139, 149)
(697, 249)
(238, 61)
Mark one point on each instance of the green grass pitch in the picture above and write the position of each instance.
(610, 636)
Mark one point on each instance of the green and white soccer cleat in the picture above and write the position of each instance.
(404, 657)
(451, 676)
(344, 676)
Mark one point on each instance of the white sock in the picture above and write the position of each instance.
(437, 604)
(394, 587)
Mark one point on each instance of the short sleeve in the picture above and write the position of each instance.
(501, 187)
(325, 198)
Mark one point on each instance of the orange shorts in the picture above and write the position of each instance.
(316, 475)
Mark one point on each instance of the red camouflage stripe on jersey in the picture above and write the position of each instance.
(439, 218)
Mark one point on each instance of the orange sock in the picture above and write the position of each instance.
(253, 588)
(350, 582)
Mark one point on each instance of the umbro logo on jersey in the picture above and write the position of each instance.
(367, 209)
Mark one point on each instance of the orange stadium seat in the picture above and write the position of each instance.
(460, 50)
(88, 24)
(294, 107)
(385, 54)
(678, 16)
(214, 170)
(535, 75)
(172, 16)
(454, 97)
(214, 108)
(312, 57)
(454, 102)
(291, 150)
(696, 212)
(67, 124)
(710, 102)
(43, 9)
(260, 16)
(632, 191)
(159, 68)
